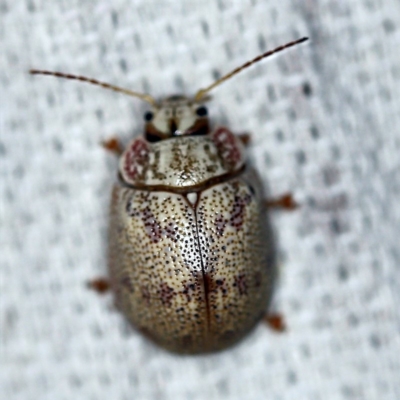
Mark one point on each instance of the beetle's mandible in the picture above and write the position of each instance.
(189, 247)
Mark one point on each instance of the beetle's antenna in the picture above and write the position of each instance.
(145, 97)
(202, 92)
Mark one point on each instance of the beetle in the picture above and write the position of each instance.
(190, 252)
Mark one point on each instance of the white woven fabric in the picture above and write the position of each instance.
(325, 121)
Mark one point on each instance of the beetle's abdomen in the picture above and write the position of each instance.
(192, 275)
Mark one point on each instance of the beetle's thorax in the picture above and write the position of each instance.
(185, 163)
(176, 116)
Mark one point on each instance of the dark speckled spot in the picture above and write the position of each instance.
(145, 294)
(170, 231)
(238, 211)
(152, 226)
(240, 283)
(213, 285)
(189, 290)
(166, 294)
(220, 225)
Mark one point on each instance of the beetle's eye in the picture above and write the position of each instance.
(148, 116)
(201, 111)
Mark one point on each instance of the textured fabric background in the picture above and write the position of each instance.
(325, 121)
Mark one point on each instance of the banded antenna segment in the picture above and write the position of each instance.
(145, 97)
(202, 92)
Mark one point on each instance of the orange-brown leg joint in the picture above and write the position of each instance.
(286, 202)
(100, 285)
(113, 145)
(245, 138)
(276, 322)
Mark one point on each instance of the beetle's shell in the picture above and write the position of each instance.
(194, 276)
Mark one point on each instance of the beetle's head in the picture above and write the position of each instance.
(176, 116)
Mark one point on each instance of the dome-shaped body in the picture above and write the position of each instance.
(190, 255)
(190, 252)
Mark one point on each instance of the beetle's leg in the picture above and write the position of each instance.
(285, 201)
(245, 138)
(113, 145)
(276, 322)
(100, 285)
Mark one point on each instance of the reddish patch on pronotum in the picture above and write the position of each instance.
(227, 145)
(136, 159)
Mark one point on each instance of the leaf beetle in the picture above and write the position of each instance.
(190, 261)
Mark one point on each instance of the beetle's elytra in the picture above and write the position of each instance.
(190, 254)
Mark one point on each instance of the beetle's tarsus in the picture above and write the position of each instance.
(276, 322)
(113, 145)
(100, 285)
(285, 201)
(245, 138)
